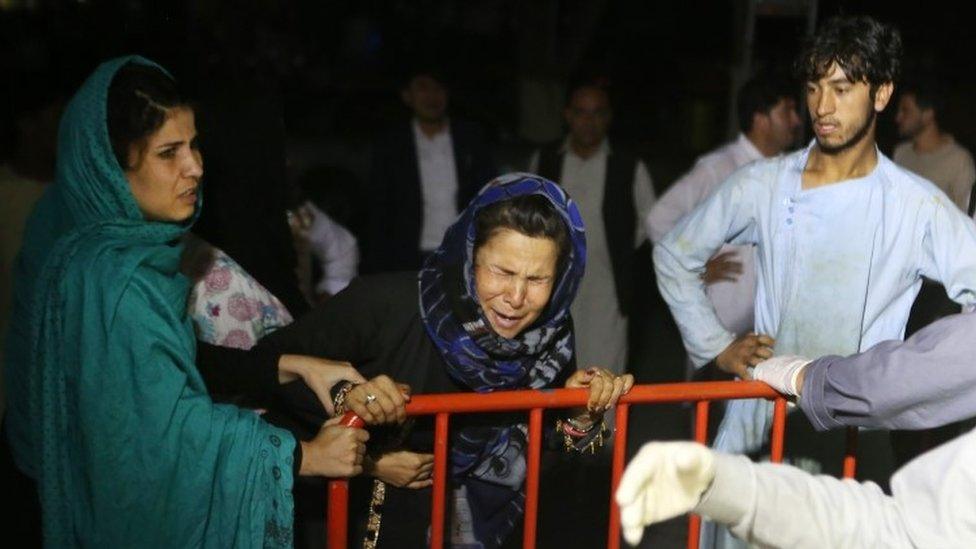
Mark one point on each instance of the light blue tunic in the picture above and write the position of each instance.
(838, 266)
(838, 269)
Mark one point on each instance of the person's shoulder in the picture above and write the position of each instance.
(902, 149)
(722, 153)
(394, 133)
(956, 150)
(908, 183)
(466, 126)
(764, 173)
(385, 286)
(131, 282)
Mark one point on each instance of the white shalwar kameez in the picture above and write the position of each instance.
(733, 299)
(838, 266)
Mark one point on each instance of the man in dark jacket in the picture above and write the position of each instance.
(614, 193)
(424, 172)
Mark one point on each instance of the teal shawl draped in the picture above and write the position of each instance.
(107, 410)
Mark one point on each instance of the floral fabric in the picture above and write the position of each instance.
(231, 309)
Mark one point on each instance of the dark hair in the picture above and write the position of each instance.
(333, 190)
(532, 215)
(432, 71)
(138, 99)
(867, 51)
(928, 94)
(759, 95)
(599, 84)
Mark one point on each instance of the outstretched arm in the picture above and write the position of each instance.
(926, 381)
(774, 505)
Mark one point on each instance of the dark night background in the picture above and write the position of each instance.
(337, 64)
(335, 67)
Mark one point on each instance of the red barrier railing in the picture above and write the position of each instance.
(442, 405)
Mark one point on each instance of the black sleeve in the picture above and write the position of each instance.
(339, 329)
(231, 372)
(296, 459)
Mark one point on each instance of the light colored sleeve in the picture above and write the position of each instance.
(949, 251)
(643, 200)
(680, 198)
(884, 386)
(962, 187)
(772, 505)
(534, 161)
(727, 216)
(337, 251)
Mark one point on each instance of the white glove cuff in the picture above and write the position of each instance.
(728, 498)
(781, 373)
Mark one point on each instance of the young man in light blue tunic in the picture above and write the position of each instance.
(843, 235)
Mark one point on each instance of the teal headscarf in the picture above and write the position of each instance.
(106, 408)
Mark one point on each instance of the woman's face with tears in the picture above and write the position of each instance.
(514, 277)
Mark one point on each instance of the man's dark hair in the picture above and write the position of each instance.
(432, 71)
(138, 100)
(759, 95)
(532, 215)
(601, 84)
(928, 94)
(867, 51)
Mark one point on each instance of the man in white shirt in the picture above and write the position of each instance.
(613, 190)
(768, 118)
(843, 235)
(928, 150)
(423, 173)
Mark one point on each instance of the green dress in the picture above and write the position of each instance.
(106, 408)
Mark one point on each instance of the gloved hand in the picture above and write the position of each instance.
(664, 480)
(781, 373)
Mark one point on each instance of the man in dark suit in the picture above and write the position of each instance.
(424, 172)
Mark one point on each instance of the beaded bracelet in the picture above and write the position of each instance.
(339, 398)
(579, 440)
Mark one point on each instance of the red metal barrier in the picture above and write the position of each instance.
(441, 406)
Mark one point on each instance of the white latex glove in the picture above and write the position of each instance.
(664, 480)
(781, 372)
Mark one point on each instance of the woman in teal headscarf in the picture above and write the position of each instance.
(106, 409)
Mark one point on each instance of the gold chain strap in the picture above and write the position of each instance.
(375, 517)
(339, 404)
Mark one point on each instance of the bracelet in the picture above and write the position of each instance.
(582, 441)
(339, 399)
(569, 429)
(580, 426)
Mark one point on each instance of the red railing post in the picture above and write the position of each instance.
(337, 512)
(617, 471)
(438, 506)
(850, 454)
(532, 478)
(536, 401)
(701, 437)
(337, 515)
(779, 430)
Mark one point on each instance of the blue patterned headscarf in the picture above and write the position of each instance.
(490, 461)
